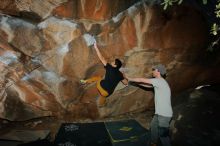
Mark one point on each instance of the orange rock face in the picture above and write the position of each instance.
(42, 61)
(92, 9)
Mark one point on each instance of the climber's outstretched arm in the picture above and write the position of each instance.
(101, 58)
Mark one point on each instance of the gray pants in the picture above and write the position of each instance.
(159, 129)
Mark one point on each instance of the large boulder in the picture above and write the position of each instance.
(196, 119)
(48, 58)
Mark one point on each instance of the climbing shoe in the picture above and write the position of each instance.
(83, 82)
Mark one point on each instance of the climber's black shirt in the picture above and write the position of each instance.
(112, 77)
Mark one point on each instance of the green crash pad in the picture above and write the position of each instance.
(127, 132)
(116, 133)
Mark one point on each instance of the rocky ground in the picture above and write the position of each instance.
(53, 124)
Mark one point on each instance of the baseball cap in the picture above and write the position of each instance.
(161, 68)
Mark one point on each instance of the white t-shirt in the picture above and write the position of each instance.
(162, 97)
